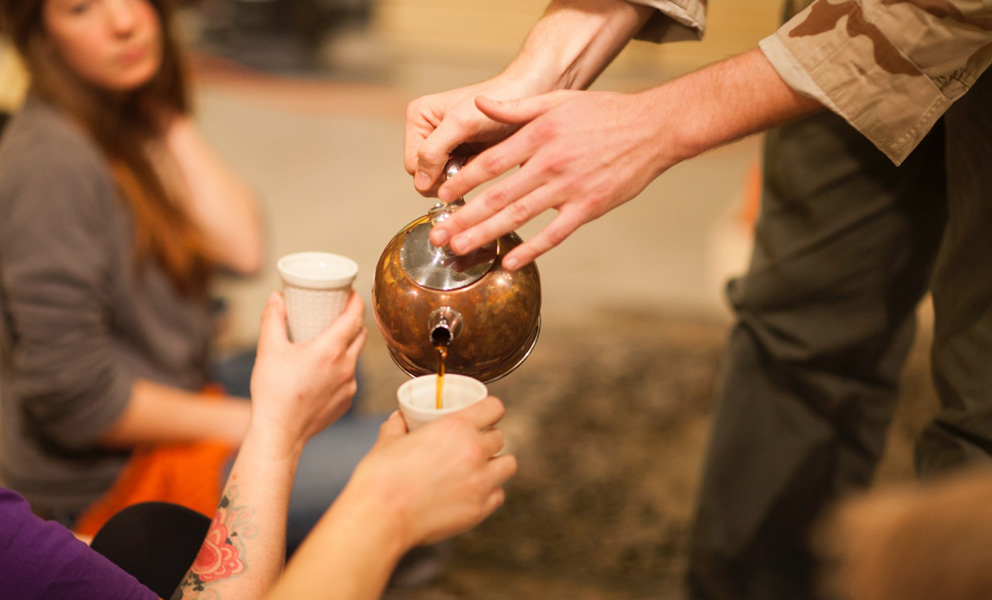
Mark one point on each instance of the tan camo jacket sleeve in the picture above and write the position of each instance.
(891, 68)
(673, 20)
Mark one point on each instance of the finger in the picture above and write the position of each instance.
(553, 234)
(357, 344)
(485, 414)
(392, 428)
(490, 164)
(492, 502)
(488, 227)
(501, 468)
(488, 203)
(272, 332)
(418, 127)
(347, 326)
(437, 148)
(521, 110)
(493, 441)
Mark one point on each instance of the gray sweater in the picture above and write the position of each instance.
(78, 321)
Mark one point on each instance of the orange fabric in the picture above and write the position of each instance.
(752, 196)
(186, 474)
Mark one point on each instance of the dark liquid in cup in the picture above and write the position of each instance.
(442, 352)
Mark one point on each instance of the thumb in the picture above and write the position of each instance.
(520, 111)
(272, 332)
(392, 429)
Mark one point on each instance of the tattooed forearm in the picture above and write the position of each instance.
(222, 555)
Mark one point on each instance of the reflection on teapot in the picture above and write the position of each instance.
(426, 297)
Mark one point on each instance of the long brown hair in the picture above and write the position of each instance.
(122, 127)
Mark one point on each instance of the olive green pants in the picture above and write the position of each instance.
(846, 246)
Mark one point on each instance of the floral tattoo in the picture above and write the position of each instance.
(222, 555)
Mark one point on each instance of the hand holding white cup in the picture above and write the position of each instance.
(418, 398)
(316, 286)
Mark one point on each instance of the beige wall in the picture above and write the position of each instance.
(493, 30)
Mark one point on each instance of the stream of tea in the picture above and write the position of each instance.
(442, 352)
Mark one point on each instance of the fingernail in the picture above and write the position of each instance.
(445, 195)
(423, 180)
(511, 264)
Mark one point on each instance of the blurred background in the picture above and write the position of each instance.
(609, 416)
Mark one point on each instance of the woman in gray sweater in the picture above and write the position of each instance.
(114, 213)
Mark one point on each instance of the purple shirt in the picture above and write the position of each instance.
(42, 560)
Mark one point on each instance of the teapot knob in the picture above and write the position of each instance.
(441, 211)
(454, 164)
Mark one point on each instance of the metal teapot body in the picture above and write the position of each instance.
(425, 298)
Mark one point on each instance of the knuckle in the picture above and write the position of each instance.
(475, 454)
(495, 199)
(349, 373)
(544, 129)
(490, 162)
(557, 235)
(430, 154)
(557, 164)
(518, 213)
(597, 204)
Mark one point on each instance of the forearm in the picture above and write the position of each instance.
(219, 202)
(349, 555)
(574, 41)
(158, 413)
(719, 104)
(245, 547)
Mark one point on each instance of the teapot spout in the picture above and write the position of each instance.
(444, 325)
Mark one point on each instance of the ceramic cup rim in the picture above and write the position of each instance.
(436, 412)
(344, 275)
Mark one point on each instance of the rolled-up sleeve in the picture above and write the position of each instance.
(673, 20)
(56, 268)
(891, 68)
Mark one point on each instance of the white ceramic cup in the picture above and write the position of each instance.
(316, 286)
(418, 397)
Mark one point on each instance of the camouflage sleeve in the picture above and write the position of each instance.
(673, 20)
(891, 68)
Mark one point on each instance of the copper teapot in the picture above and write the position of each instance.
(426, 298)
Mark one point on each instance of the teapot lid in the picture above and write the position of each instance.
(440, 268)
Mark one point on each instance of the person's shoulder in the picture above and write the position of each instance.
(46, 158)
(41, 141)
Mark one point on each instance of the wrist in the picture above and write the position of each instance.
(273, 442)
(375, 519)
(673, 130)
(530, 74)
(575, 40)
